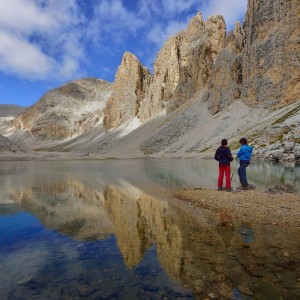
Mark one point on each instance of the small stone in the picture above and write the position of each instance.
(85, 290)
(150, 288)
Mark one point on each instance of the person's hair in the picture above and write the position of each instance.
(224, 142)
(243, 141)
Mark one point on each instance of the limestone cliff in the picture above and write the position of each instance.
(271, 61)
(224, 84)
(183, 66)
(257, 62)
(130, 86)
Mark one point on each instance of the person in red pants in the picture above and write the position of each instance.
(224, 157)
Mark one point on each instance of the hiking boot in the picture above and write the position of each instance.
(229, 190)
(245, 186)
(220, 189)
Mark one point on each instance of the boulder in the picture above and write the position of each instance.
(297, 152)
(277, 154)
(288, 146)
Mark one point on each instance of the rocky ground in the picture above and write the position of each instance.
(264, 207)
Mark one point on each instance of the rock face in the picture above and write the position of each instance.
(131, 83)
(183, 66)
(64, 112)
(257, 62)
(272, 55)
(200, 46)
(226, 76)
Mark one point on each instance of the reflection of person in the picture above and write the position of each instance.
(224, 157)
(244, 155)
(247, 234)
(225, 228)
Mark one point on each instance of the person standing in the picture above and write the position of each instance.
(224, 157)
(244, 155)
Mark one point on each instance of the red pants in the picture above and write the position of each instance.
(224, 169)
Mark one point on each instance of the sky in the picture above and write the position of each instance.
(47, 43)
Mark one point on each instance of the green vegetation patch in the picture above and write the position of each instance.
(287, 115)
(205, 149)
(234, 145)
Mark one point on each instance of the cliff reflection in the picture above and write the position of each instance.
(213, 255)
(210, 254)
(69, 207)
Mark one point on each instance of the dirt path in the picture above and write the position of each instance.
(253, 206)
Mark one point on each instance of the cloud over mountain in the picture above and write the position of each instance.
(60, 40)
(40, 39)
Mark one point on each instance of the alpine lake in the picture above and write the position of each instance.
(110, 229)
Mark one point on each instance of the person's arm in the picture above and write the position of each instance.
(240, 152)
(216, 156)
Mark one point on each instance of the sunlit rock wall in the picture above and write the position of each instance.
(271, 62)
(183, 65)
(130, 86)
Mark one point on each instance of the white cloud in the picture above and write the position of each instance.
(166, 8)
(232, 10)
(113, 18)
(40, 38)
(24, 16)
(178, 6)
(68, 67)
(159, 33)
(17, 56)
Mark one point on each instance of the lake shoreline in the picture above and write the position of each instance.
(249, 206)
(42, 156)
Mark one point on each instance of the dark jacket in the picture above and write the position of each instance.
(223, 155)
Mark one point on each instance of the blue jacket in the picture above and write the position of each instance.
(223, 155)
(244, 153)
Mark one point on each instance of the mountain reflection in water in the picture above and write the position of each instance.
(108, 234)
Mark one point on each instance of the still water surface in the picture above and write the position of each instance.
(110, 230)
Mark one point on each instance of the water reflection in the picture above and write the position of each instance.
(69, 207)
(112, 236)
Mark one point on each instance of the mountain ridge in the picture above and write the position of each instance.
(207, 85)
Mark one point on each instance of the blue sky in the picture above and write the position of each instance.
(46, 43)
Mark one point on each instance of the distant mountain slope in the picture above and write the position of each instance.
(61, 113)
(7, 146)
(8, 110)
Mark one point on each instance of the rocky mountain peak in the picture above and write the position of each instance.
(131, 83)
(183, 65)
(196, 24)
(216, 28)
